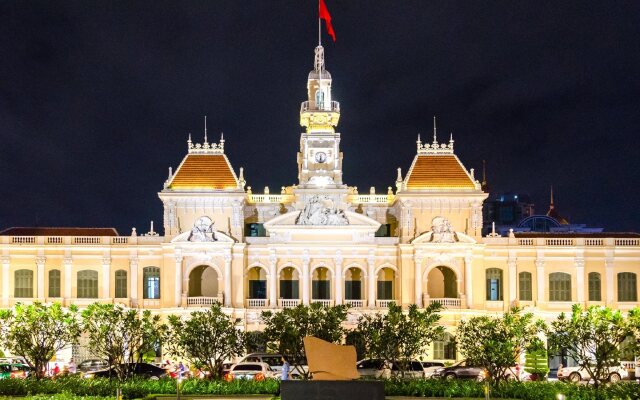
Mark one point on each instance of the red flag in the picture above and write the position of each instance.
(324, 14)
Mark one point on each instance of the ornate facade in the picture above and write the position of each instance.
(321, 241)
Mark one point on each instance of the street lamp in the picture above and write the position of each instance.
(178, 383)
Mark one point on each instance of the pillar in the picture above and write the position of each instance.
(339, 279)
(305, 278)
(6, 264)
(133, 272)
(513, 273)
(273, 280)
(580, 279)
(608, 268)
(40, 261)
(371, 276)
(540, 277)
(106, 277)
(468, 277)
(68, 277)
(417, 266)
(178, 279)
(227, 280)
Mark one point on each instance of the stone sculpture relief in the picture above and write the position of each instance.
(320, 210)
(202, 231)
(442, 231)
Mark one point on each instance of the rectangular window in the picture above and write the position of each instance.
(385, 290)
(353, 290)
(54, 283)
(525, 287)
(257, 289)
(594, 287)
(87, 284)
(288, 289)
(627, 287)
(320, 290)
(121, 284)
(559, 287)
(23, 283)
(153, 288)
(255, 230)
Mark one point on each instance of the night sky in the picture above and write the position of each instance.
(97, 98)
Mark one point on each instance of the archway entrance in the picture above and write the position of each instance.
(203, 282)
(442, 283)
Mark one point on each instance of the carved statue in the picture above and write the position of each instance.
(320, 210)
(442, 231)
(202, 230)
(330, 362)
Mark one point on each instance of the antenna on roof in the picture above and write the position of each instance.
(205, 129)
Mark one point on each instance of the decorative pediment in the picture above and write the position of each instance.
(442, 232)
(203, 232)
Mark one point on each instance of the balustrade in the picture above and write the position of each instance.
(203, 301)
(288, 303)
(257, 303)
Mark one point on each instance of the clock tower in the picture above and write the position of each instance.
(319, 158)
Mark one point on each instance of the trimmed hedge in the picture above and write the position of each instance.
(73, 387)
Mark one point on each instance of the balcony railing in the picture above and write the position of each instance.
(446, 302)
(324, 302)
(257, 303)
(354, 303)
(383, 303)
(203, 301)
(324, 106)
(288, 303)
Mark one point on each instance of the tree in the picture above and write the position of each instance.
(398, 337)
(592, 337)
(255, 342)
(286, 329)
(497, 343)
(205, 339)
(37, 331)
(537, 363)
(121, 336)
(633, 325)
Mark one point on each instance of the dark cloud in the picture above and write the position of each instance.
(97, 98)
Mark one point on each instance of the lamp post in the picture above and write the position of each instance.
(178, 383)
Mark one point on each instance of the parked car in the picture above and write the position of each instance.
(430, 367)
(92, 365)
(460, 370)
(577, 374)
(142, 370)
(8, 370)
(14, 360)
(377, 368)
(275, 362)
(257, 371)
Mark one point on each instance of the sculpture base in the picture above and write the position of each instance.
(332, 390)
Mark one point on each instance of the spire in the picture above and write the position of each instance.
(483, 184)
(205, 129)
(435, 139)
(318, 62)
(551, 206)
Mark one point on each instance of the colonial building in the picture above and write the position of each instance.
(321, 241)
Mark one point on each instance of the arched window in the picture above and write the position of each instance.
(627, 287)
(151, 279)
(319, 98)
(526, 291)
(444, 348)
(559, 286)
(121, 284)
(54, 283)
(595, 285)
(23, 283)
(257, 283)
(321, 284)
(494, 284)
(87, 284)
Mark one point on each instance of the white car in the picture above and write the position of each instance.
(257, 371)
(577, 374)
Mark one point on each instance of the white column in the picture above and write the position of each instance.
(6, 264)
(273, 280)
(40, 276)
(513, 273)
(106, 277)
(417, 265)
(68, 277)
(178, 279)
(540, 277)
(305, 278)
(580, 279)
(371, 275)
(468, 280)
(339, 279)
(133, 272)
(227, 280)
(608, 268)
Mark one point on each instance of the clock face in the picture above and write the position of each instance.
(321, 157)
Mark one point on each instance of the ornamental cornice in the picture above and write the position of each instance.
(40, 260)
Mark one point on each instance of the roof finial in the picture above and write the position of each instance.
(435, 140)
(189, 140)
(221, 136)
(205, 129)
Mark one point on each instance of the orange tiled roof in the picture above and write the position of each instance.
(56, 231)
(204, 171)
(438, 172)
